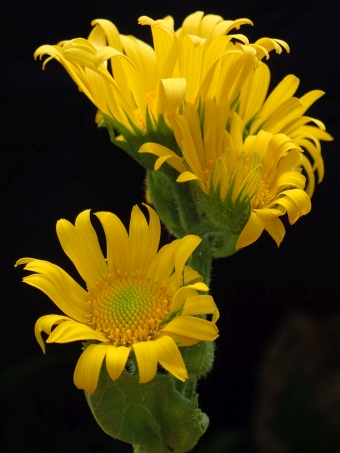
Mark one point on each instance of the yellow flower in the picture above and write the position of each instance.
(198, 60)
(256, 180)
(282, 112)
(137, 300)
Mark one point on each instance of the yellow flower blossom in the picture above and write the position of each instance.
(198, 60)
(138, 301)
(261, 174)
(284, 113)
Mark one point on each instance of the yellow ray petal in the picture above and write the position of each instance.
(165, 44)
(199, 305)
(194, 127)
(181, 297)
(183, 252)
(189, 148)
(283, 91)
(111, 33)
(88, 367)
(191, 24)
(75, 248)
(116, 358)
(86, 231)
(195, 328)
(297, 203)
(283, 115)
(131, 81)
(187, 176)
(73, 331)
(144, 58)
(191, 64)
(59, 287)
(180, 340)
(45, 324)
(162, 265)
(170, 95)
(251, 232)
(170, 358)
(165, 155)
(254, 91)
(117, 242)
(276, 229)
(154, 235)
(75, 71)
(146, 356)
(190, 277)
(138, 241)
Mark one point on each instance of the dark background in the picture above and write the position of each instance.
(56, 163)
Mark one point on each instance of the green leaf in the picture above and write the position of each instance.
(154, 417)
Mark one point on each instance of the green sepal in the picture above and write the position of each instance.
(231, 215)
(154, 417)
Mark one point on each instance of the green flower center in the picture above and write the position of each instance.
(127, 308)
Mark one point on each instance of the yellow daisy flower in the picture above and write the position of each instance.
(282, 112)
(255, 180)
(198, 60)
(137, 300)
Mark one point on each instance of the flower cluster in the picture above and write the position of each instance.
(197, 105)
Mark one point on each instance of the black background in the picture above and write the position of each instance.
(55, 163)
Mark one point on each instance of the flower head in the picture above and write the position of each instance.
(245, 185)
(137, 301)
(198, 60)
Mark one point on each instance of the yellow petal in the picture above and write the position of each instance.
(170, 95)
(199, 305)
(251, 232)
(297, 203)
(162, 265)
(183, 252)
(165, 155)
(187, 176)
(73, 331)
(195, 328)
(117, 242)
(191, 64)
(180, 298)
(283, 115)
(44, 324)
(189, 147)
(144, 58)
(254, 92)
(138, 241)
(111, 33)
(170, 358)
(86, 231)
(165, 44)
(130, 80)
(88, 367)
(276, 229)
(283, 91)
(190, 277)
(180, 340)
(116, 358)
(75, 248)
(146, 356)
(194, 127)
(154, 233)
(59, 287)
